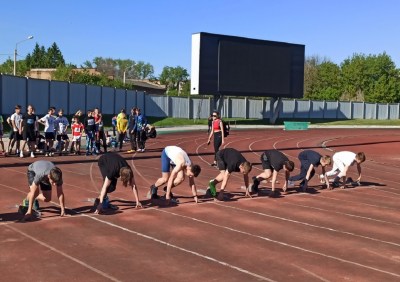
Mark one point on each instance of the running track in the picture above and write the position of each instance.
(339, 235)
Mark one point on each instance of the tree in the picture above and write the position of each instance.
(372, 78)
(40, 58)
(172, 76)
(126, 66)
(54, 57)
(328, 82)
(106, 66)
(143, 70)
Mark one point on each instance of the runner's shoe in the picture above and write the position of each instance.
(153, 192)
(213, 190)
(274, 194)
(254, 187)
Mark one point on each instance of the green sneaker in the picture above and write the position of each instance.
(36, 205)
(22, 210)
(213, 190)
(25, 202)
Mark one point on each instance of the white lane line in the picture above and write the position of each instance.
(342, 213)
(393, 258)
(284, 244)
(64, 254)
(311, 273)
(310, 225)
(180, 248)
(354, 202)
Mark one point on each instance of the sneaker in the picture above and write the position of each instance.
(291, 184)
(274, 194)
(254, 187)
(96, 203)
(36, 205)
(51, 154)
(213, 190)
(131, 151)
(153, 192)
(21, 154)
(22, 209)
(213, 164)
(165, 190)
(87, 153)
(47, 154)
(143, 150)
(303, 186)
(32, 155)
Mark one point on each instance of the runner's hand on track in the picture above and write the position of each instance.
(99, 209)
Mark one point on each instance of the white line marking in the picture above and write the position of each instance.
(310, 225)
(311, 273)
(64, 254)
(343, 213)
(180, 248)
(284, 244)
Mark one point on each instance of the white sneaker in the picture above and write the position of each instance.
(291, 184)
(32, 155)
(21, 154)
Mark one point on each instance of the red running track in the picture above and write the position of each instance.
(350, 235)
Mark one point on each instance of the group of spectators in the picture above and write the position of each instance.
(25, 127)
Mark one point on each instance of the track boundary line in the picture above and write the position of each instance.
(78, 261)
(286, 244)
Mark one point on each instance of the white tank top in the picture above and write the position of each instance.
(174, 151)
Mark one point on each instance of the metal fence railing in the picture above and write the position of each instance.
(73, 96)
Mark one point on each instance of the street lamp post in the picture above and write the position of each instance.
(15, 53)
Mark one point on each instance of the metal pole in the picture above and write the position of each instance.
(15, 59)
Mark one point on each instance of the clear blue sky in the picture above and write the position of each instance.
(159, 31)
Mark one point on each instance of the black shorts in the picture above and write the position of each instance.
(30, 135)
(103, 171)
(221, 165)
(265, 162)
(44, 185)
(62, 136)
(49, 135)
(12, 135)
(17, 136)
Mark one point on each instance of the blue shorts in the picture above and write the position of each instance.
(165, 162)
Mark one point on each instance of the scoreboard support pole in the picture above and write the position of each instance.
(274, 109)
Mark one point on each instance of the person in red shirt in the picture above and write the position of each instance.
(217, 132)
(77, 129)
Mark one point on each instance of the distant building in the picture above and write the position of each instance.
(48, 73)
(148, 86)
(139, 84)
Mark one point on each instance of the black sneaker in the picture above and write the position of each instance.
(274, 194)
(153, 192)
(254, 187)
(165, 190)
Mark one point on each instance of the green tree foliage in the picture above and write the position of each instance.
(54, 57)
(8, 67)
(321, 79)
(69, 73)
(42, 58)
(116, 67)
(372, 78)
(143, 70)
(172, 76)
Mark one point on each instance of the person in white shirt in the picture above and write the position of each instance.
(341, 163)
(16, 123)
(48, 122)
(61, 125)
(178, 159)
